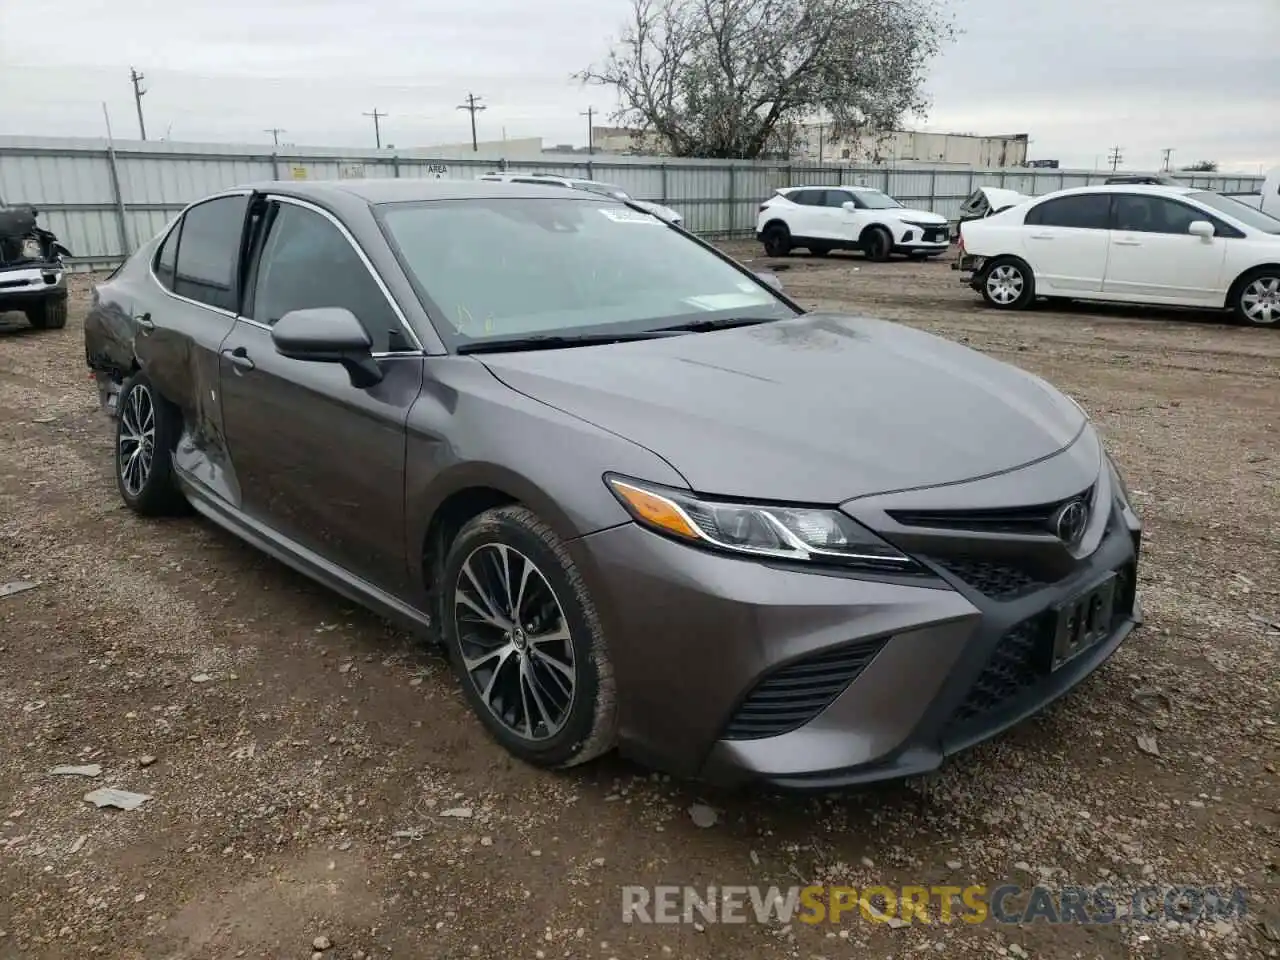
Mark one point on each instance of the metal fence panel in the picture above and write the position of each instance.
(74, 183)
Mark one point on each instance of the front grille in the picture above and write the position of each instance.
(1035, 519)
(790, 697)
(999, 581)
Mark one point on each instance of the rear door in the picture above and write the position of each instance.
(806, 216)
(1066, 241)
(198, 270)
(318, 459)
(1154, 257)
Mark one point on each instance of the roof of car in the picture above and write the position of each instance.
(855, 188)
(408, 190)
(1157, 189)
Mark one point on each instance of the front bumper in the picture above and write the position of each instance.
(916, 237)
(909, 674)
(20, 286)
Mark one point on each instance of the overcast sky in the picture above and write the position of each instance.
(1080, 77)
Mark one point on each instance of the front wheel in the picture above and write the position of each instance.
(147, 429)
(1257, 298)
(777, 240)
(878, 244)
(526, 642)
(49, 314)
(1008, 284)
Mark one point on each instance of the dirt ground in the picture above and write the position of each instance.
(301, 756)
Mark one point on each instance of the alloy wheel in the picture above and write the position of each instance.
(1005, 284)
(137, 440)
(1260, 301)
(514, 641)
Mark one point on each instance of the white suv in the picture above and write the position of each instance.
(591, 186)
(823, 219)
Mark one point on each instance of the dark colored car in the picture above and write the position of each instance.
(645, 499)
(33, 278)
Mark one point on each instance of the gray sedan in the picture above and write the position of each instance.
(643, 498)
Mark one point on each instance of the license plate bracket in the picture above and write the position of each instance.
(1083, 621)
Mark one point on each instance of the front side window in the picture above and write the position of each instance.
(562, 266)
(209, 252)
(1086, 211)
(306, 263)
(1145, 213)
(838, 198)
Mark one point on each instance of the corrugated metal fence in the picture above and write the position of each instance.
(104, 200)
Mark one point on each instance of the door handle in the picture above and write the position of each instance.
(1042, 236)
(145, 323)
(1128, 243)
(239, 358)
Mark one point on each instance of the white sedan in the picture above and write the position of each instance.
(1176, 246)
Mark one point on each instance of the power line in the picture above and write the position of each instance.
(275, 134)
(377, 131)
(1114, 158)
(590, 113)
(137, 79)
(473, 107)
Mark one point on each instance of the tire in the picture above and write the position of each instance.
(49, 314)
(776, 240)
(1255, 297)
(147, 422)
(573, 717)
(1007, 283)
(878, 244)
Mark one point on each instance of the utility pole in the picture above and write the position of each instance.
(137, 79)
(377, 131)
(1168, 158)
(275, 134)
(473, 106)
(819, 144)
(590, 113)
(1114, 158)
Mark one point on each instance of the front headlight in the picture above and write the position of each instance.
(31, 249)
(800, 534)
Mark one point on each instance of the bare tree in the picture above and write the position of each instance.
(722, 78)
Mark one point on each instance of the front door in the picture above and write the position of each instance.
(1155, 258)
(318, 459)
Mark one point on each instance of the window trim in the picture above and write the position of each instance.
(177, 223)
(418, 351)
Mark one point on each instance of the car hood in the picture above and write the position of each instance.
(820, 409)
(918, 216)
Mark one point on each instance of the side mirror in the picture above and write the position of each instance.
(1200, 228)
(328, 335)
(769, 277)
(850, 206)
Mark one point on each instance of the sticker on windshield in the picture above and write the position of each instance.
(627, 215)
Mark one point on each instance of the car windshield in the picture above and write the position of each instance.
(509, 267)
(1249, 216)
(875, 200)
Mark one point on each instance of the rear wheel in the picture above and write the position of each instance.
(1007, 284)
(878, 244)
(526, 642)
(1257, 297)
(147, 430)
(777, 240)
(49, 314)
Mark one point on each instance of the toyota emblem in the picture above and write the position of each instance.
(1070, 521)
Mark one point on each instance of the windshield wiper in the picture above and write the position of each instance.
(543, 341)
(723, 323)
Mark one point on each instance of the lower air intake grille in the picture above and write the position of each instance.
(789, 698)
(1016, 664)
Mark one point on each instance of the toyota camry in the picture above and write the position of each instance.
(642, 497)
